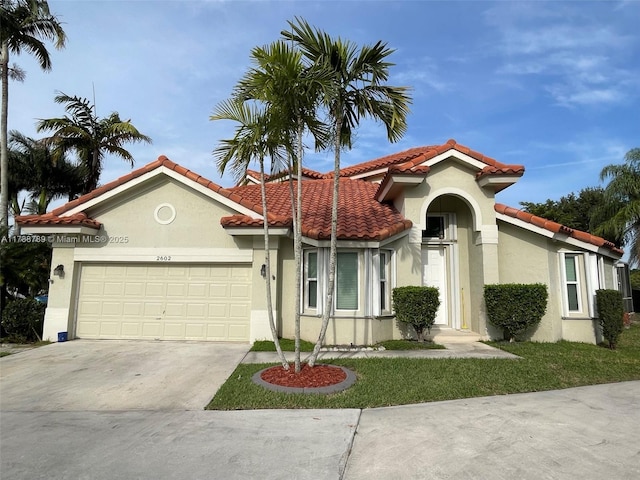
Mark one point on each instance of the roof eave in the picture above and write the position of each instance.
(394, 183)
(498, 182)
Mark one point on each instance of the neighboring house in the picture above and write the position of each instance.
(163, 253)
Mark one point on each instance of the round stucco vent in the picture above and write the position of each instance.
(165, 213)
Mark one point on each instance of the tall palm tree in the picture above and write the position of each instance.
(89, 136)
(33, 169)
(24, 24)
(290, 90)
(257, 137)
(358, 91)
(622, 203)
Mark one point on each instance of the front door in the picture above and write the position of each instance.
(434, 274)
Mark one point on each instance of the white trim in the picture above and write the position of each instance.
(57, 229)
(371, 273)
(500, 179)
(372, 173)
(305, 281)
(154, 173)
(488, 235)
(452, 152)
(171, 218)
(593, 281)
(562, 237)
(163, 255)
(354, 243)
(565, 293)
(400, 179)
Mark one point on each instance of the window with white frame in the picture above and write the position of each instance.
(385, 260)
(311, 279)
(572, 282)
(347, 281)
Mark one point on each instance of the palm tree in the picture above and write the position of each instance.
(89, 136)
(622, 203)
(357, 91)
(291, 91)
(32, 168)
(257, 137)
(24, 26)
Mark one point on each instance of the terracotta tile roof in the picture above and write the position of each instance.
(360, 216)
(306, 172)
(50, 219)
(410, 159)
(556, 227)
(416, 154)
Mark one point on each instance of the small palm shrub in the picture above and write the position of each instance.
(416, 306)
(610, 312)
(23, 319)
(515, 307)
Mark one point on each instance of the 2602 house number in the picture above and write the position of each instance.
(163, 258)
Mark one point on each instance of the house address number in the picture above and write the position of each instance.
(163, 258)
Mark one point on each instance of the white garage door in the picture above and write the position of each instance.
(164, 301)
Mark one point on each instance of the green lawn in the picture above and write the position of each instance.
(399, 381)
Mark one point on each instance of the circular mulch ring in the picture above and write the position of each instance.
(319, 379)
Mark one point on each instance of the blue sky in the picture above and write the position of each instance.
(554, 86)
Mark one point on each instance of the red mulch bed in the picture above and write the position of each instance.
(318, 376)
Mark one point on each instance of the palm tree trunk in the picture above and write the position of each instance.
(4, 154)
(267, 262)
(297, 241)
(328, 304)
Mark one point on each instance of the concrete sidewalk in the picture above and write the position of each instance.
(452, 350)
(586, 433)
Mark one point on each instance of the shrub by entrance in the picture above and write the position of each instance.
(515, 307)
(416, 306)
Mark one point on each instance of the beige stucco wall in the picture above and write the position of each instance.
(196, 223)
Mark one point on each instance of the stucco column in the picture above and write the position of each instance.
(488, 241)
(260, 329)
(61, 304)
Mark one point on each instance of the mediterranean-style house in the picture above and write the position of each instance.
(163, 253)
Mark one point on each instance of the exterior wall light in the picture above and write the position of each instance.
(59, 271)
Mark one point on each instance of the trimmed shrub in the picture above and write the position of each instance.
(416, 306)
(515, 307)
(610, 312)
(23, 320)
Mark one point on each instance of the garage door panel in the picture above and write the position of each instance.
(164, 301)
(197, 290)
(153, 310)
(109, 328)
(238, 331)
(176, 289)
(134, 289)
(131, 329)
(175, 310)
(93, 287)
(155, 289)
(112, 309)
(132, 309)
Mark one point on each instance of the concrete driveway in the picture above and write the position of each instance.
(113, 375)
